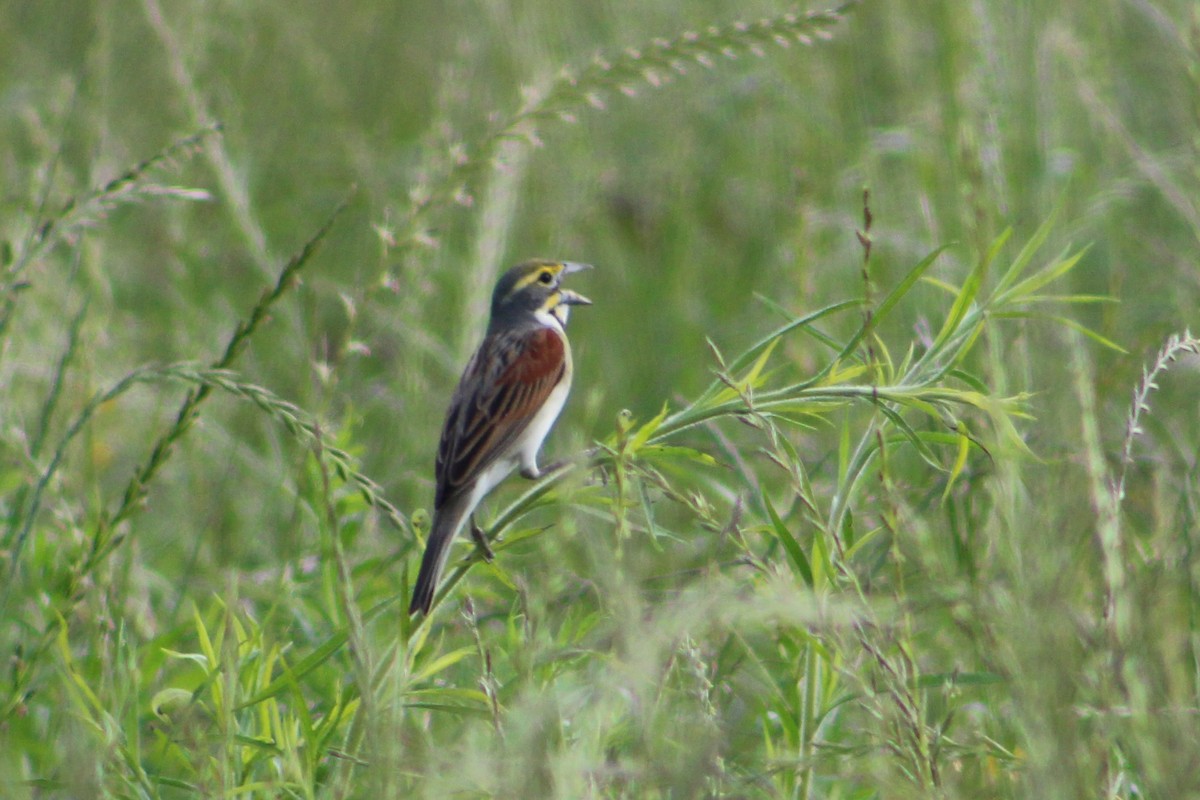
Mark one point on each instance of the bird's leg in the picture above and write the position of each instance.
(531, 471)
(481, 541)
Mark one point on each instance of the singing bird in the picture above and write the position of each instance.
(507, 399)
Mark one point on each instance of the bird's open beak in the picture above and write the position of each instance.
(566, 295)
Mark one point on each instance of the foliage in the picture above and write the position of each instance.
(859, 505)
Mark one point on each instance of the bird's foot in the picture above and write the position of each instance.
(534, 473)
(481, 541)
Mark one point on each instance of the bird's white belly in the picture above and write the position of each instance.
(531, 440)
(490, 478)
(524, 450)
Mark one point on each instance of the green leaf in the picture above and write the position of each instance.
(500, 574)
(822, 567)
(936, 680)
(752, 376)
(1031, 247)
(967, 295)
(909, 434)
(904, 286)
(863, 540)
(168, 701)
(448, 693)
(199, 658)
(1065, 299)
(843, 454)
(206, 645)
(1030, 286)
(513, 537)
(662, 451)
(746, 358)
(945, 286)
(964, 447)
(893, 298)
(790, 545)
(646, 431)
(970, 380)
(1070, 323)
(270, 746)
(466, 711)
(442, 662)
(293, 674)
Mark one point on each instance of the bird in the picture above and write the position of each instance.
(508, 398)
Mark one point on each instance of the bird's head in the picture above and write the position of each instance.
(532, 289)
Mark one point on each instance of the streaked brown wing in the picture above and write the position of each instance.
(506, 382)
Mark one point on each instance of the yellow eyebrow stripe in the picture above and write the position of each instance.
(533, 276)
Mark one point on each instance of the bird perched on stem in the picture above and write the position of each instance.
(507, 400)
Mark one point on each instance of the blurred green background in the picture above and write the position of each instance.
(716, 206)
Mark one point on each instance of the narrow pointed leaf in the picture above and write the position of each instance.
(960, 461)
(790, 545)
(1031, 247)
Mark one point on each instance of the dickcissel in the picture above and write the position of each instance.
(507, 399)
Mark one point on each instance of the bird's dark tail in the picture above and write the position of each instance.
(447, 522)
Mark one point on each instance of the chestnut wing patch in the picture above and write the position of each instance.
(507, 381)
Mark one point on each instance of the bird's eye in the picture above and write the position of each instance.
(546, 278)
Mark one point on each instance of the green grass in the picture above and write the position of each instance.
(884, 426)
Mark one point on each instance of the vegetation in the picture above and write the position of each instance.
(884, 436)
